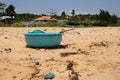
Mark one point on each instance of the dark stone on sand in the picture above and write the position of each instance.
(1, 51)
(6, 37)
(14, 76)
(8, 50)
(37, 63)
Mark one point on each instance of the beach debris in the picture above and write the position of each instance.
(75, 63)
(64, 54)
(74, 75)
(119, 53)
(52, 59)
(1, 51)
(14, 76)
(118, 44)
(37, 63)
(45, 30)
(90, 74)
(78, 33)
(34, 58)
(6, 37)
(49, 75)
(71, 64)
(33, 75)
(63, 30)
(102, 43)
(7, 50)
(79, 51)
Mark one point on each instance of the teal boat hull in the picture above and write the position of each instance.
(43, 40)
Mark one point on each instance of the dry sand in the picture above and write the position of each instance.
(97, 55)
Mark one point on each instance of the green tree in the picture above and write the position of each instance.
(104, 16)
(114, 19)
(10, 10)
(26, 17)
(94, 17)
(2, 8)
(73, 14)
(63, 14)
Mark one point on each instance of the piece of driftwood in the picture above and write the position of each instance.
(63, 30)
(102, 43)
(64, 54)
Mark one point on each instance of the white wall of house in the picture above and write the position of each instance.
(4, 17)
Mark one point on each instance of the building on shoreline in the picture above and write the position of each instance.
(7, 19)
(45, 19)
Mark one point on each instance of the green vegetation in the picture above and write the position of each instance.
(16, 24)
(104, 18)
(2, 24)
(25, 17)
(2, 8)
(10, 10)
(73, 23)
(51, 24)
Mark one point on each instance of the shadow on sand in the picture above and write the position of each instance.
(57, 47)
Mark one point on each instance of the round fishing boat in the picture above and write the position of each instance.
(41, 39)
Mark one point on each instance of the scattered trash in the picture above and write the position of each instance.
(6, 37)
(14, 76)
(7, 50)
(79, 51)
(72, 74)
(63, 30)
(33, 75)
(90, 74)
(102, 43)
(64, 54)
(69, 65)
(34, 58)
(1, 51)
(49, 75)
(52, 59)
(37, 63)
(118, 44)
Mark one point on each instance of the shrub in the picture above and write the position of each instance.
(2, 24)
(17, 24)
(118, 22)
(50, 24)
(99, 23)
(73, 23)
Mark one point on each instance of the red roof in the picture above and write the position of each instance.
(45, 18)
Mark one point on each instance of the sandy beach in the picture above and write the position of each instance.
(95, 53)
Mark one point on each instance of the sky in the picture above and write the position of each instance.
(80, 6)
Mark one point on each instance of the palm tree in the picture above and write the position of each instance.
(73, 14)
(63, 14)
(2, 8)
(10, 10)
(104, 15)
